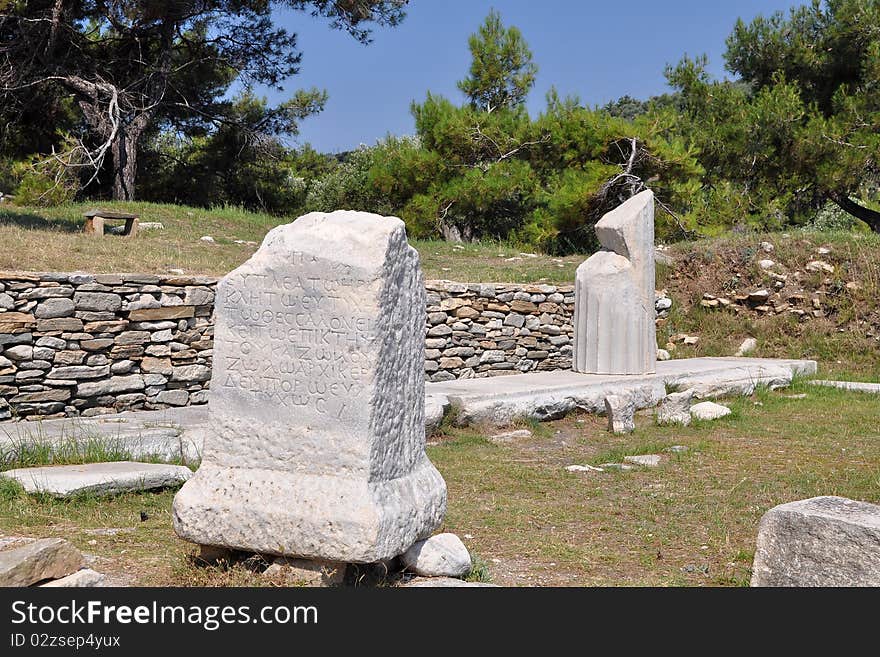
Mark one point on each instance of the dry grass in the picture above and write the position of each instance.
(51, 239)
(845, 341)
(692, 521)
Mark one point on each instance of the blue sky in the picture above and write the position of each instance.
(596, 50)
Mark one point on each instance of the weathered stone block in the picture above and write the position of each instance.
(620, 410)
(317, 449)
(55, 307)
(822, 541)
(47, 558)
(59, 324)
(111, 386)
(99, 301)
(168, 312)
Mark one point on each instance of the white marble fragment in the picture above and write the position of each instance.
(709, 411)
(748, 346)
(675, 408)
(645, 460)
(108, 478)
(583, 468)
(620, 410)
(80, 579)
(443, 555)
(614, 294)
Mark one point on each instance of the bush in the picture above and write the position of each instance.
(831, 217)
(44, 183)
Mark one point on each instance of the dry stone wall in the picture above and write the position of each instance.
(88, 344)
(494, 330)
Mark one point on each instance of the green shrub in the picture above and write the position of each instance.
(45, 183)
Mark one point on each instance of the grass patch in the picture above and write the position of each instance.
(479, 570)
(690, 522)
(51, 239)
(27, 453)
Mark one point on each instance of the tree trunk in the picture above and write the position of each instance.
(124, 165)
(869, 216)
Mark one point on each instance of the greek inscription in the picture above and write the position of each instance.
(298, 340)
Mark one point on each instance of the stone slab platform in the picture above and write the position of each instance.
(852, 386)
(98, 478)
(550, 395)
(174, 434)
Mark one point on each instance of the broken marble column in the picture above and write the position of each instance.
(317, 407)
(620, 410)
(614, 330)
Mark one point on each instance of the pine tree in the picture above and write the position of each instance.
(502, 72)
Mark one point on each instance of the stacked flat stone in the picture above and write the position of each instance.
(84, 344)
(481, 330)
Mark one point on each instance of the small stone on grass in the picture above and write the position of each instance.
(645, 460)
(583, 468)
(443, 555)
(709, 411)
(510, 436)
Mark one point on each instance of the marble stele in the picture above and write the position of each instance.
(317, 407)
(614, 330)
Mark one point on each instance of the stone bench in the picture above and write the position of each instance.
(95, 219)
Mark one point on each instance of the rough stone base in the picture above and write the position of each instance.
(334, 519)
(303, 572)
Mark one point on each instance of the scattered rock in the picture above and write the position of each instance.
(819, 266)
(766, 264)
(151, 225)
(748, 346)
(441, 582)
(207, 238)
(662, 354)
(662, 303)
(676, 449)
(80, 579)
(675, 408)
(645, 460)
(767, 247)
(108, 531)
(691, 340)
(758, 296)
(822, 541)
(305, 572)
(510, 436)
(709, 411)
(442, 555)
(583, 468)
(620, 410)
(616, 466)
(47, 558)
(98, 478)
